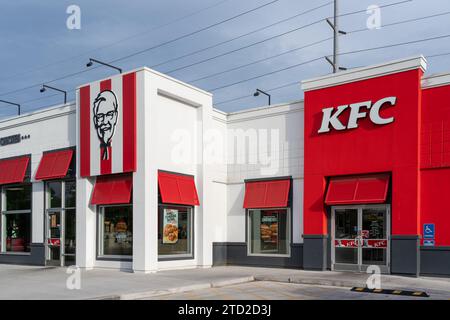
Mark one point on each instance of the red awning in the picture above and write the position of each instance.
(177, 189)
(54, 165)
(13, 170)
(112, 189)
(357, 190)
(267, 194)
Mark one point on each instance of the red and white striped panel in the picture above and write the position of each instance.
(121, 148)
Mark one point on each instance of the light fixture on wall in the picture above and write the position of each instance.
(45, 87)
(91, 62)
(12, 103)
(258, 91)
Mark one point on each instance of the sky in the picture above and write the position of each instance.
(37, 47)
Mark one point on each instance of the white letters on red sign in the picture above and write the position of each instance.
(330, 118)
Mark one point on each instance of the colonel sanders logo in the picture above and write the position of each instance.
(105, 119)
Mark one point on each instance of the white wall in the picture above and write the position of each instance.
(171, 123)
(49, 129)
(273, 138)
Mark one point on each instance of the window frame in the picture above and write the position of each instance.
(4, 212)
(288, 228)
(100, 234)
(180, 256)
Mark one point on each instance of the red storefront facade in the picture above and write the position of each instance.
(382, 120)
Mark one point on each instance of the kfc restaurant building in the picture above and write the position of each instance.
(353, 176)
(377, 170)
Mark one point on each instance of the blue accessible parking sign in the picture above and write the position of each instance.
(428, 231)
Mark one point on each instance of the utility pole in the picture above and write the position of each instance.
(336, 32)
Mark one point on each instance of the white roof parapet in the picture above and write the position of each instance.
(364, 73)
(436, 80)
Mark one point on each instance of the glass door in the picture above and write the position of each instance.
(60, 223)
(360, 237)
(346, 253)
(54, 231)
(374, 237)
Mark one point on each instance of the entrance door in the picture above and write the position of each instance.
(360, 237)
(53, 235)
(60, 237)
(60, 223)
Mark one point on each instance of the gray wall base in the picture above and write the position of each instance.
(35, 257)
(235, 253)
(435, 261)
(405, 255)
(315, 252)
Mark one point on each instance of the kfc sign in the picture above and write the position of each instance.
(357, 111)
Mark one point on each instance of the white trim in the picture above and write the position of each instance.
(38, 115)
(258, 112)
(151, 71)
(175, 97)
(436, 80)
(359, 74)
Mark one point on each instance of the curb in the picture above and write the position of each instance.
(344, 283)
(318, 282)
(193, 287)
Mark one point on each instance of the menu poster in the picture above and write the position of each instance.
(269, 228)
(170, 226)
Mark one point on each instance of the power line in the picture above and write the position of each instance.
(269, 90)
(153, 47)
(242, 35)
(242, 48)
(342, 53)
(274, 37)
(306, 46)
(438, 55)
(119, 41)
(295, 83)
(194, 32)
(395, 44)
(210, 26)
(265, 74)
(261, 60)
(404, 21)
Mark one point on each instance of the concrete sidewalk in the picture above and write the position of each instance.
(22, 282)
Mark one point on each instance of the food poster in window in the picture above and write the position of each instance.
(269, 229)
(170, 222)
(121, 231)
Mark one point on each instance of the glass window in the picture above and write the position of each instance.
(175, 231)
(116, 231)
(269, 231)
(18, 197)
(70, 233)
(70, 194)
(55, 194)
(17, 232)
(16, 218)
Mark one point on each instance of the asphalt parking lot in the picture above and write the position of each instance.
(270, 290)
